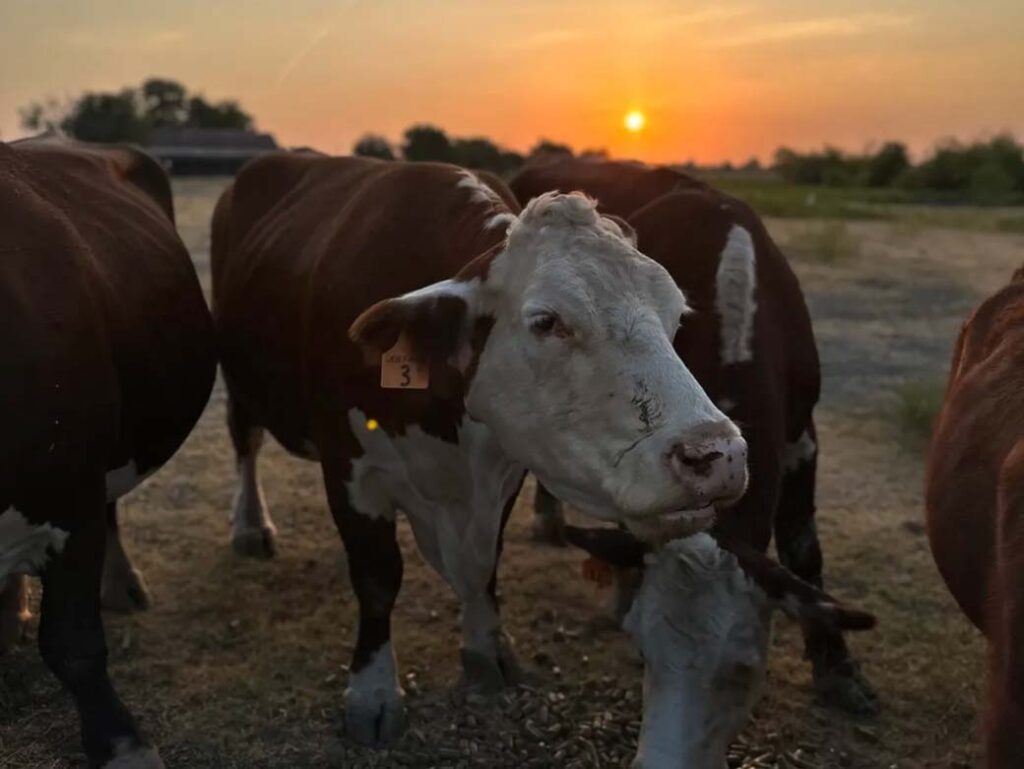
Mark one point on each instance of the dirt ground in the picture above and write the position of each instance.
(242, 664)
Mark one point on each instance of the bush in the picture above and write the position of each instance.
(374, 146)
(918, 402)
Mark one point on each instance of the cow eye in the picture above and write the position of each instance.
(544, 323)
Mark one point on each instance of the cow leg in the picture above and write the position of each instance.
(72, 645)
(123, 588)
(374, 700)
(14, 613)
(253, 532)
(548, 518)
(837, 677)
(488, 662)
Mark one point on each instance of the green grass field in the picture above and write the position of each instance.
(771, 196)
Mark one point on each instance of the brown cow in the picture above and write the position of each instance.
(751, 346)
(975, 504)
(541, 341)
(109, 361)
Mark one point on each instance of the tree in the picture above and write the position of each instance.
(887, 165)
(477, 153)
(106, 117)
(163, 102)
(425, 142)
(223, 114)
(374, 146)
(548, 148)
(46, 115)
(129, 114)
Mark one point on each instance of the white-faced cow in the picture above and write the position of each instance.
(975, 504)
(542, 341)
(701, 618)
(108, 361)
(750, 345)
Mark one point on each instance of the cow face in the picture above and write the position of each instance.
(565, 337)
(703, 630)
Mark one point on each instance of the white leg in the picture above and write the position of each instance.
(252, 531)
(374, 707)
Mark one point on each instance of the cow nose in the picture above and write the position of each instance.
(714, 468)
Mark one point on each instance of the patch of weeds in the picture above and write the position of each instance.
(828, 242)
(918, 402)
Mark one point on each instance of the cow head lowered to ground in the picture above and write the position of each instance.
(702, 620)
(563, 336)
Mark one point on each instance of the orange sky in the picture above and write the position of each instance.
(717, 80)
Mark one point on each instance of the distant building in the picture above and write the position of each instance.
(207, 151)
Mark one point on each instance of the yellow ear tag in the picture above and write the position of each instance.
(399, 370)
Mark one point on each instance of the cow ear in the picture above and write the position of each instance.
(434, 321)
(616, 547)
(797, 599)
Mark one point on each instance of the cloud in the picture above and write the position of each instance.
(810, 29)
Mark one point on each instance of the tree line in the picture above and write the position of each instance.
(988, 171)
(425, 142)
(130, 114)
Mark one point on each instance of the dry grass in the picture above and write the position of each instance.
(828, 242)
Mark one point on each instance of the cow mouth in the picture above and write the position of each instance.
(658, 530)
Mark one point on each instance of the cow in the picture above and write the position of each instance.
(974, 497)
(109, 361)
(481, 342)
(701, 619)
(751, 346)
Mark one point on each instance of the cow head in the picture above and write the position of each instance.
(702, 619)
(564, 336)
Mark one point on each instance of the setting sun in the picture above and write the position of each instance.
(635, 121)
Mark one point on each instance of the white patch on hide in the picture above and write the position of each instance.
(24, 547)
(453, 495)
(734, 296)
(801, 452)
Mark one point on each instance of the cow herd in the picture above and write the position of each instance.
(429, 335)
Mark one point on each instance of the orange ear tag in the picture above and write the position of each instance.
(597, 571)
(399, 370)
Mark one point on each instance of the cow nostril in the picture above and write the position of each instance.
(699, 463)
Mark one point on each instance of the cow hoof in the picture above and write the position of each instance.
(548, 529)
(375, 721)
(125, 591)
(134, 757)
(845, 688)
(255, 543)
(487, 675)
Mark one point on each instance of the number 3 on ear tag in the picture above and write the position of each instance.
(399, 370)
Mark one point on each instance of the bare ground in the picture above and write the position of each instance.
(242, 664)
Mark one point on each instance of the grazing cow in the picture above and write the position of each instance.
(701, 619)
(975, 504)
(751, 347)
(109, 360)
(537, 341)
